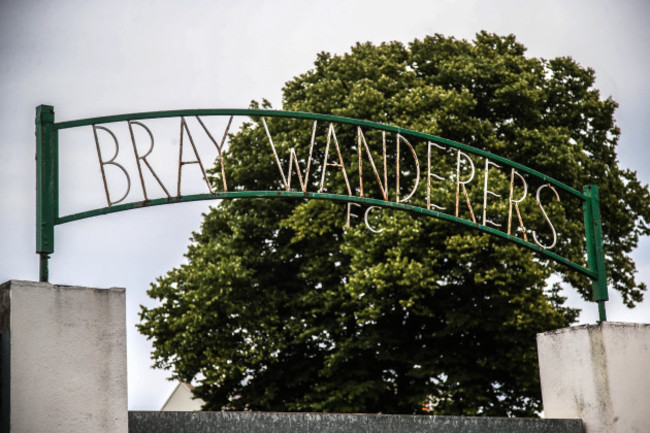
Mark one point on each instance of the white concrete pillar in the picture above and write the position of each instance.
(63, 359)
(598, 373)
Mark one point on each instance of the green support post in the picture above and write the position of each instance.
(47, 186)
(595, 249)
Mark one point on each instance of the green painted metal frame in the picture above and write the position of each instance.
(47, 201)
(47, 185)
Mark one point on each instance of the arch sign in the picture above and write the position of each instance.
(472, 165)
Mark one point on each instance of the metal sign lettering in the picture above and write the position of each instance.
(472, 167)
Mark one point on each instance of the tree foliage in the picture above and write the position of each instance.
(280, 307)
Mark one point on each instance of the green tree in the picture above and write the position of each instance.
(280, 307)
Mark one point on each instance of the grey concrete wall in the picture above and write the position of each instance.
(5, 384)
(266, 422)
(598, 373)
(63, 359)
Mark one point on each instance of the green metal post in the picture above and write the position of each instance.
(47, 186)
(595, 249)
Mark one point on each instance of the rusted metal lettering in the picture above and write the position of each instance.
(512, 202)
(219, 148)
(365, 219)
(486, 191)
(293, 159)
(401, 138)
(548, 221)
(361, 142)
(332, 134)
(349, 213)
(143, 158)
(432, 175)
(461, 184)
(112, 162)
(181, 163)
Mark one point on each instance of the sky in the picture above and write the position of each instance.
(93, 58)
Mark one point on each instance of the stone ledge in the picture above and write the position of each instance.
(275, 422)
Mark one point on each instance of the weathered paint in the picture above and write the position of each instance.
(598, 373)
(63, 359)
(269, 422)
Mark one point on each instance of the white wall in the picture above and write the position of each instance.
(182, 399)
(599, 373)
(66, 367)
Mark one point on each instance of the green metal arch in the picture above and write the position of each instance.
(47, 186)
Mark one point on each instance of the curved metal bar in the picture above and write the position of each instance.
(330, 197)
(322, 117)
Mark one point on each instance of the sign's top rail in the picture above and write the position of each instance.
(322, 117)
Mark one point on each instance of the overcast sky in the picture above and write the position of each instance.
(91, 58)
